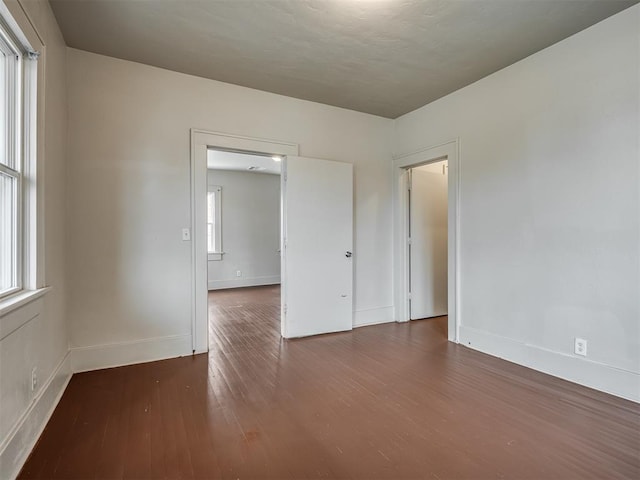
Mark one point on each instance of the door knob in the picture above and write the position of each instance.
(348, 254)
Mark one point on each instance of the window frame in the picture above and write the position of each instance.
(217, 254)
(21, 116)
(11, 111)
(16, 248)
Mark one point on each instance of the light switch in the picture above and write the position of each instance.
(186, 234)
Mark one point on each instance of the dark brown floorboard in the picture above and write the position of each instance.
(389, 401)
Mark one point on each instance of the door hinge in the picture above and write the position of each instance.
(409, 180)
(285, 309)
(409, 296)
(409, 241)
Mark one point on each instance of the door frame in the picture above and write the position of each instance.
(446, 151)
(201, 141)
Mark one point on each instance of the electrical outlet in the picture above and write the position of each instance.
(34, 379)
(238, 273)
(580, 347)
(186, 234)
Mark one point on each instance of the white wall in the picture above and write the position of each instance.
(549, 205)
(250, 230)
(129, 270)
(41, 339)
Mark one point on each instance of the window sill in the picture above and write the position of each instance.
(13, 302)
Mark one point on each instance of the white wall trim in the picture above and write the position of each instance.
(451, 152)
(19, 310)
(18, 444)
(96, 357)
(244, 282)
(244, 144)
(201, 140)
(605, 378)
(372, 316)
(21, 440)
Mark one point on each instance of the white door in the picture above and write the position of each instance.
(318, 241)
(428, 246)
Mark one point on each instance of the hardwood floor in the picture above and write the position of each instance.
(389, 401)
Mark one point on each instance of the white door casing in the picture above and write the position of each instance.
(201, 140)
(318, 241)
(446, 151)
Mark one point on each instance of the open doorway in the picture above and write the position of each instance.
(432, 263)
(427, 240)
(316, 244)
(243, 247)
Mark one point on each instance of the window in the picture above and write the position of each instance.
(17, 100)
(214, 227)
(10, 166)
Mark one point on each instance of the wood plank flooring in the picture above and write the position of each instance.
(383, 402)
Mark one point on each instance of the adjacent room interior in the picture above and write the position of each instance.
(243, 248)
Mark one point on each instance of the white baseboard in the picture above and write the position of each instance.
(243, 282)
(372, 316)
(127, 353)
(616, 381)
(17, 446)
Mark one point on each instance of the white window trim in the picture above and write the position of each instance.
(18, 177)
(218, 253)
(30, 272)
(20, 299)
(13, 78)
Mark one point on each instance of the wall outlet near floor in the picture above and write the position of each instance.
(34, 379)
(238, 273)
(580, 347)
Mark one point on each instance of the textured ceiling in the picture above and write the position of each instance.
(385, 57)
(242, 162)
